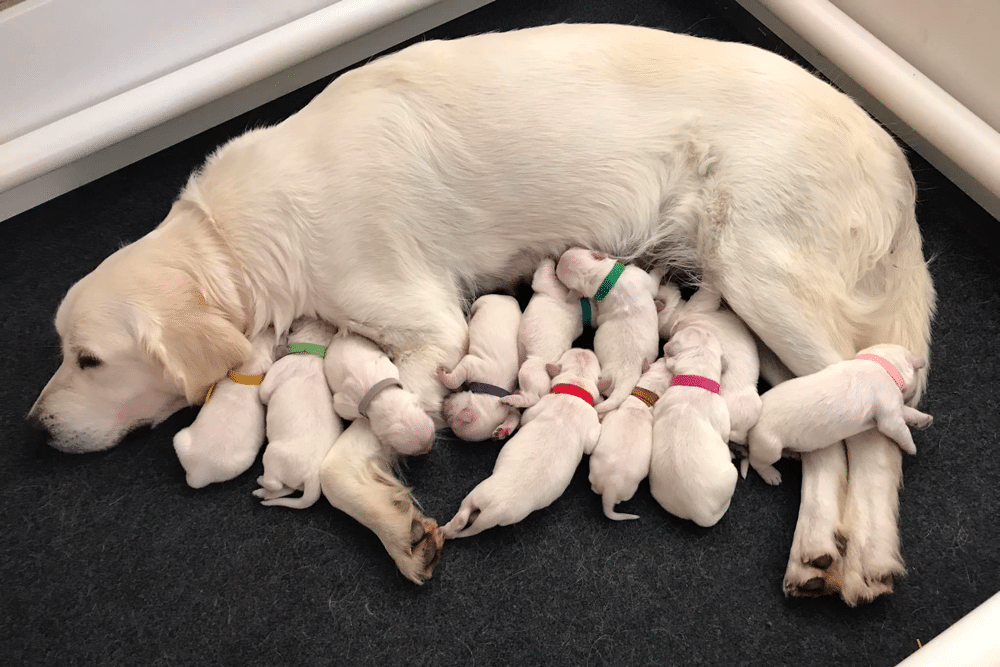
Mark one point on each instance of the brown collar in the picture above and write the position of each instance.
(646, 396)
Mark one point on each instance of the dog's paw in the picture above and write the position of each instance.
(426, 546)
(815, 567)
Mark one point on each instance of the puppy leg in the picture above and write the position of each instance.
(917, 419)
(355, 479)
(872, 508)
(509, 424)
(893, 427)
(814, 563)
(765, 451)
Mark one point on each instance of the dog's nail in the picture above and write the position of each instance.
(823, 562)
(813, 585)
(841, 541)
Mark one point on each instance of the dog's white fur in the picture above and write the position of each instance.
(621, 458)
(492, 358)
(691, 473)
(228, 432)
(551, 321)
(739, 379)
(451, 167)
(537, 464)
(301, 422)
(843, 400)
(670, 296)
(356, 477)
(627, 327)
(354, 365)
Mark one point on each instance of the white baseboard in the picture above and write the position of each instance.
(948, 135)
(95, 141)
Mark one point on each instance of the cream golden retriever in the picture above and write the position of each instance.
(450, 168)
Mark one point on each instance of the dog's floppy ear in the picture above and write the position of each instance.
(915, 361)
(598, 255)
(196, 345)
(553, 370)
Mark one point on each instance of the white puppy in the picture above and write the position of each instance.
(739, 379)
(357, 479)
(228, 432)
(552, 320)
(301, 423)
(815, 411)
(691, 473)
(621, 459)
(537, 464)
(365, 383)
(670, 296)
(490, 369)
(627, 327)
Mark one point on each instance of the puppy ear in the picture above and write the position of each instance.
(671, 348)
(915, 361)
(645, 365)
(725, 363)
(660, 305)
(553, 370)
(670, 364)
(197, 347)
(599, 255)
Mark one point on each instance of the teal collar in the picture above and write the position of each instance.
(307, 348)
(609, 281)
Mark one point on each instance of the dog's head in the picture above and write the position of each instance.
(138, 342)
(583, 270)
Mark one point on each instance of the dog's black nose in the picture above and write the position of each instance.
(36, 422)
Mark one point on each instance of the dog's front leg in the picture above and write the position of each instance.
(356, 479)
(870, 517)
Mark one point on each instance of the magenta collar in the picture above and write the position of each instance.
(695, 381)
(893, 372)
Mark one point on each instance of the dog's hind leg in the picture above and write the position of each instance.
(355, 479)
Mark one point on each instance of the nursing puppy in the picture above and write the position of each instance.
(228, 432)
(552, 320)
(843, 400)
(739, 379)
(536, 465)
(357, 479)
(670, 296)
(627, 327)
(301, 423)
(365, 383)
(490, 369)
(621, 458)
(691, 473)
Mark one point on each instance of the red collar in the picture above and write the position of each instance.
(695, 381)
(574, 390)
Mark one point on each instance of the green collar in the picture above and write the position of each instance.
(609, 281)
(307, 348)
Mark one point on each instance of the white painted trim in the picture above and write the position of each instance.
(974, 641)
(84, 146)
(952, 138)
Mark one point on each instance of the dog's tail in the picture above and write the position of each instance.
(624, 384)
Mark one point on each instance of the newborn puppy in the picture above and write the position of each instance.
(489, 368)
(811, 412)
(621, 459)
(739, 379)
(691, 473)
(627, 327)
(224, 439)
(552, 320)
(537, 464)
(301, 423)
(365, 383)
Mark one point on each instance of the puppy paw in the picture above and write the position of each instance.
(769, 474)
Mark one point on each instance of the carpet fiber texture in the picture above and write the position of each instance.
(110, 559)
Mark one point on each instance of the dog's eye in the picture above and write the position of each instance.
(87, 361)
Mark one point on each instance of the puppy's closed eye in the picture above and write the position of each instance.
(85, 361)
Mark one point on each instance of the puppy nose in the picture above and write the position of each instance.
(35, 421)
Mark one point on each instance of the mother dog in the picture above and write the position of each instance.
(452, 167)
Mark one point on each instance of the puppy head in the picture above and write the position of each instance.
(311, 330)
(474, 417)
(409, 431)
(670, 295)
(687, 335)
(139, 343)
(579, 363)
(583, 270)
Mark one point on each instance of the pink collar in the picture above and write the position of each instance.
(893, 372)
(574, 390)
(695, 381)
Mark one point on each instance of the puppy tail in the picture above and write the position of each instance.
(623, 387)
(609, 501)
(308, 498)
(471, 519)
